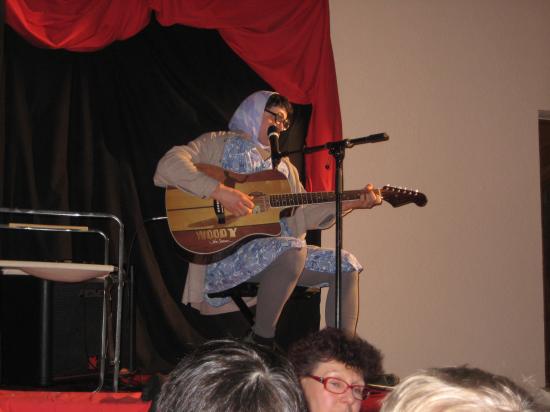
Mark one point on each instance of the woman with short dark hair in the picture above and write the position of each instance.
(333, 367)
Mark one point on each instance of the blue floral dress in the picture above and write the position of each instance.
(241, 156)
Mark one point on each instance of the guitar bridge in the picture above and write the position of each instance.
(220, 212)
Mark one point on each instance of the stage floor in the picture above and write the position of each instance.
(32, 401)
(78, 396)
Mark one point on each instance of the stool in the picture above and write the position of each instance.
(250, 289)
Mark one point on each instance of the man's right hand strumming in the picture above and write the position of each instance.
(233, 200)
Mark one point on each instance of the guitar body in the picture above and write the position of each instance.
(207, 237)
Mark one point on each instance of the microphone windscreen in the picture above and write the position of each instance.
(272, 130)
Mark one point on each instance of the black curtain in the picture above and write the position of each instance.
(84, 131)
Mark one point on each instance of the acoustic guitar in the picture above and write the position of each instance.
(207, 233)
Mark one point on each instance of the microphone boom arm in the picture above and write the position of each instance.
(338, 145)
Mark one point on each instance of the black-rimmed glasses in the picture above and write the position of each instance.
(339, 386)
(283, 123)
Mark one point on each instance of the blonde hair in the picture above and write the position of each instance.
(458, 389)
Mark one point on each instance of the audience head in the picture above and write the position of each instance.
(458, 389)
(231, 376)
(333, 368)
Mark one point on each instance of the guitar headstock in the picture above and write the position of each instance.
(398, 196)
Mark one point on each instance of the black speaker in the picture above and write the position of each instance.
(49, 330)
(76, 327)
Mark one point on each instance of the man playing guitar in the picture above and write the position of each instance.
(276, 263)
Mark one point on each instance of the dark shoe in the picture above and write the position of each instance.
(251, 337)
(268, 343)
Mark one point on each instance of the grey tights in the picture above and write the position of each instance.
(279, 279)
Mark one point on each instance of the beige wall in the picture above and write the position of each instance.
(457, 85)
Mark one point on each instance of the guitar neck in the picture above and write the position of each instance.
(309, 198)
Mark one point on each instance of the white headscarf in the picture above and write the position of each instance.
(248, 116)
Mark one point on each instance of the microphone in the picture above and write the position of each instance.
(273, 135)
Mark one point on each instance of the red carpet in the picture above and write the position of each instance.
(30, 401)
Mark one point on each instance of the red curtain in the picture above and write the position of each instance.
(287, 42)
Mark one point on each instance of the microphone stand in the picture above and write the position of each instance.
(337, 150)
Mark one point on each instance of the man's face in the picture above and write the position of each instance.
(269, 119)
(321, 400)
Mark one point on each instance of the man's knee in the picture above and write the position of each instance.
(351, 276)
(349, 279)
(292, 262)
